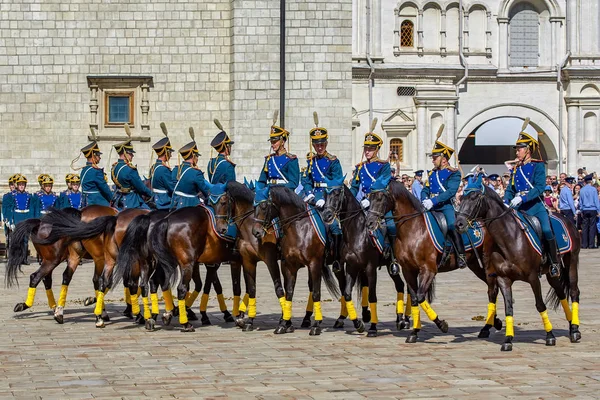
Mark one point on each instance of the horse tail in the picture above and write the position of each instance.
(134, 248)
(431, 291)
(330, 282)
(552, 299)
(17, 249)
(162, 251)
(68, 226)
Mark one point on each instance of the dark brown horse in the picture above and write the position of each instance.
(52, 254)
(418, 257)
(513, 259)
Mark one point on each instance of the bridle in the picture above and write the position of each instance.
(337, 210)
(473, 215)
(229, 213)
(397, 220)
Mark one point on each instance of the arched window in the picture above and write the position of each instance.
(407, 34)
(396, 150)
(524, 35)
(590, 127)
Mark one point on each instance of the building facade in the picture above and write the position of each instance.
(480, 68)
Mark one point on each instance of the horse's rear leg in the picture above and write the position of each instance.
(541, 307)
(492, 317)
(236, 282)
(402, 317)
(426, 278)
(34, 279)
(315, 274)
(411, 280)
(160, 278)
(192, 296)
(372, 299)
(104, 284)
(247, 323)
(290, 273)
(72, 264)
(221, 299)
(310, 305)
(182, 291)
(339, 323)
(573, 263)
(364, 297)
(211, 278)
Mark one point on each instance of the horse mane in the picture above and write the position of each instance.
(493, 196)
(240, 192)
(399, 191)
(286, 196)
(352, 204)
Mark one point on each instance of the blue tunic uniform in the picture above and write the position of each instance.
(94, 188)
(71, 199)
(528, 181)
(46, 201)
(6, 211)
(162, 185)
(365, 174)
(191, 182)
(313, 180)
(220, 170)
(441, 187)
(22, 206)
(130, 187)
(282, 170)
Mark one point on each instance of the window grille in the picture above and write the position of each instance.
(405, 91)
(407, 34)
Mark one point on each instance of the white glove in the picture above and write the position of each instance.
(320, 203)
(12, 227)
(308, 198)
(428, 204)
(365, 203)
(516, 201)
(201, 201)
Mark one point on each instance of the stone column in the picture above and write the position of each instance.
(421, 135)
(465, 32)
(420, 32)
(572, 116)
(503, 40)
(488, 35)
(443, 34)
(572, 25)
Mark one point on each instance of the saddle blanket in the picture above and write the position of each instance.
(231, 233)
(563, 239)
(474, 238)
(315, 220)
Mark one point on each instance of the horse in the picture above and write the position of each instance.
(52, 254)
(300, 246)
(514, 259)
(419, 258)
(359, 255)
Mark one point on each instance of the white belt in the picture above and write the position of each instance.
(434, 195)
(178, 193)
(22, 211)
(92, 192)
(277, 181)
(160, 191)
(44, 212)
(522, 193)
(320, 184)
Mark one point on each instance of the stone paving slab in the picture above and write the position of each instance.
(43, 360)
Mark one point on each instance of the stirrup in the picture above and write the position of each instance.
(393, 268)
(336, 267)
(461, 260)
(445, 256)
(554, 270)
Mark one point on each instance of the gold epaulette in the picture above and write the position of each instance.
(330, 156)
(310, 155)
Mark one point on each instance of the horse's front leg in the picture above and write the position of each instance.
(372, 297)
(426, 278)
(351, 277)
(290, 273)
(492, 317)
(315, 274)
(536, 286)
(505, 285)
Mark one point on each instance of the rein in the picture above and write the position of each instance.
(397, 220)
(471, 217)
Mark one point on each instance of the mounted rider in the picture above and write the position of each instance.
(190, 179)
(366, 173)
(525, 189)
(161, 176)
(45, 197)
(94, 189)
(130, 187)
(438, 193)
(322, 166)
(221, 169)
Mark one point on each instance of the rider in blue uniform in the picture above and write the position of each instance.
(21, 206)
(5, 210)
(437, 195)
(46, 198)
(73, 197)
(321, 166)
(221, 169)
(525, 189)
(368, 172)
(94, 189)
(190, 179)
(126, 178)
(161, 178)
(281, 168)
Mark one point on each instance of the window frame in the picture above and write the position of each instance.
(397, 143)
(113, 93)
(410, 23)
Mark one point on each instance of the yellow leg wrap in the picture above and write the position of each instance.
(287, 310)
(62, 298)
(351, 311)
(190, 298)
(99, 303)
(282, 303)
(309, 303)
(252, 307)
(575, 320)
(399, 303)
(236, 305)
(182, 313)
(565, 305)
(168, 297)
(428, 310)
(344, 309)
(546, 321)
(510, 326)
(154, 303)
(318, 313)
(415, 313)
(373, 307)
(127, 295)
(203, 302)
(246, 297)
(146, 303)
(221, 300)
(51, 300)
(407, 310)
(135, 305)
(96, 292)
(244, 308)
(364, 300)
(30, 297)
(491, 314)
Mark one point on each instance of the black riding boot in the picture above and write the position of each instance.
(553, 253)
(393, 266)
(459, 248)
(336, 246)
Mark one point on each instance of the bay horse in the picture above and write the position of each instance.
(52, 254)
(419, 258)
(359, 254)
(514, 259)
(300, 246)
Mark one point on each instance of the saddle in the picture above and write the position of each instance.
(534, 222)
(441, 220)
(533, 231)
(437, 227)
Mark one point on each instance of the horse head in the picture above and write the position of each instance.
(263, 212)
(380, 203)
(472, 204)
(334, 199)
(222, 203)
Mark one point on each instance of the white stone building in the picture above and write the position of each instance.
(477, 70)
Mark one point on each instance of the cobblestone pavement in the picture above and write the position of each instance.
(41, 359)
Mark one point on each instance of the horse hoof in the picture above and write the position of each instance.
(139, 320)
(338, 324)
(21, 307)
(497, 324)
(280, 330)
(99, 322)
(315, 331)
(484, 333)
(575, 337)
(551, 341)
(372, 333)
(205, 321)
(506, 347)
(249, 327)
(89, 301)
(150, 323)
(166, 318)
(412, 338)
(443, 326)
(191, 315)
(127, 312)
(305, 323)
(59, 318)
(187, 327)
(228, 317)
(360, 326)
(290, 329)
(366, 316)
(105, 316)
